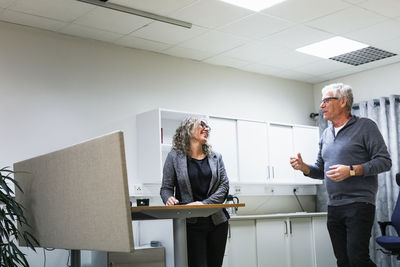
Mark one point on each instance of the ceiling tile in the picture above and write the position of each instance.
(347, 20)
(155, 6)
(91, 33)
(295, 75)
(255, 51)
(112, 20)
(390, 46)
(226, 61)
(188, 53)
(321, 67)
(298, 36)
(31, 20)
(55, 9)
(256, 26)
(354, 1)
(167, 33)
(379, 63)
(134, 42)
(5, 3)
(214, 42)
(305, 10)
(375, 34)
(261, 68)
(211, 13)
(317, 79)
(341, 73)
(289, 60)
(389, 8)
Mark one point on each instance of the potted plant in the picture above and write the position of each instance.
(11, 214)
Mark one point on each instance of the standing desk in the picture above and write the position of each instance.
(178, 214)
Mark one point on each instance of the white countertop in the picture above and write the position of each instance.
(278, 215)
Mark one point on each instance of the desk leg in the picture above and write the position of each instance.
(180, 242)
(75, 258)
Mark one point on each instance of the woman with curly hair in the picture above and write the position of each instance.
(193, 174)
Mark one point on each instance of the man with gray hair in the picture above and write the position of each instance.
(351, 154)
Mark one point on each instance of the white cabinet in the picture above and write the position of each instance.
(285, 242)
(292, 241)
(155, 130)
(241, 245)
(305, 142)
(301, 243)
(243, 145)
(281, 149)
(223, 139)
(253, 151)
(286, 141)
(324, 256)
(272, 243)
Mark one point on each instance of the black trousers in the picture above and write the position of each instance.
(350, 227)
(206, 243)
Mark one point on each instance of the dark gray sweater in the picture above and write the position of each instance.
(358, 142)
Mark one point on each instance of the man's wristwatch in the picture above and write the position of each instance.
(352, 171)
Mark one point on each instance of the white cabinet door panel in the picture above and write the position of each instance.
(272, 243)
(324, 256)
(252, 151)
(306, 142)
(281, 149)
(242, 244)
(301, 246)
(223, 139)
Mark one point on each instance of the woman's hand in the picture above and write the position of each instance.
(196, 203)
(171, 201)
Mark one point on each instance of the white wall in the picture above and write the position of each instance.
(367, 85)
(58, 90)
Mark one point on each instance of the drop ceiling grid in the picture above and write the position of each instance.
(223, 34)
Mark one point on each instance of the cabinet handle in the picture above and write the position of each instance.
(269, 176)
(290, 227)
(286, 230)
(273, 172)
(229, 230)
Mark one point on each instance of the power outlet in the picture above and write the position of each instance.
(237, 189)
(138, 188)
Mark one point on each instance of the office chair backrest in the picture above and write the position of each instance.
(396, 212)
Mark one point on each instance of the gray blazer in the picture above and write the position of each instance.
(176, 182)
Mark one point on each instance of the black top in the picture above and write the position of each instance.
(200, 177)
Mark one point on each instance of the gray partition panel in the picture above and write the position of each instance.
(77, 197)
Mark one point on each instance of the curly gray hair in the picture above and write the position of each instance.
(184, 132)
(340, 90)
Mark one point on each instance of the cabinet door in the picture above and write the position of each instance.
(148, 143)
(306, 142)
(252, 151)
(272, 243)
(242, 244)
(301, 243)
(223, 139)
(281, 149)
(324, 256)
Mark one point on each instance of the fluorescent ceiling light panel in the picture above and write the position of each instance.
(255, 5)
(332, 47)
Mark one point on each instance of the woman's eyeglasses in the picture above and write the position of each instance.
(205, 126)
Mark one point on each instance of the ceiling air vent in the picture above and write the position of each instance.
(362, 56)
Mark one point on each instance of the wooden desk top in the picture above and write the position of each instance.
(177, 211)
(185, 207)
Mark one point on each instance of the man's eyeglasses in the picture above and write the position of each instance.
(205, 126)
(328, 99)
